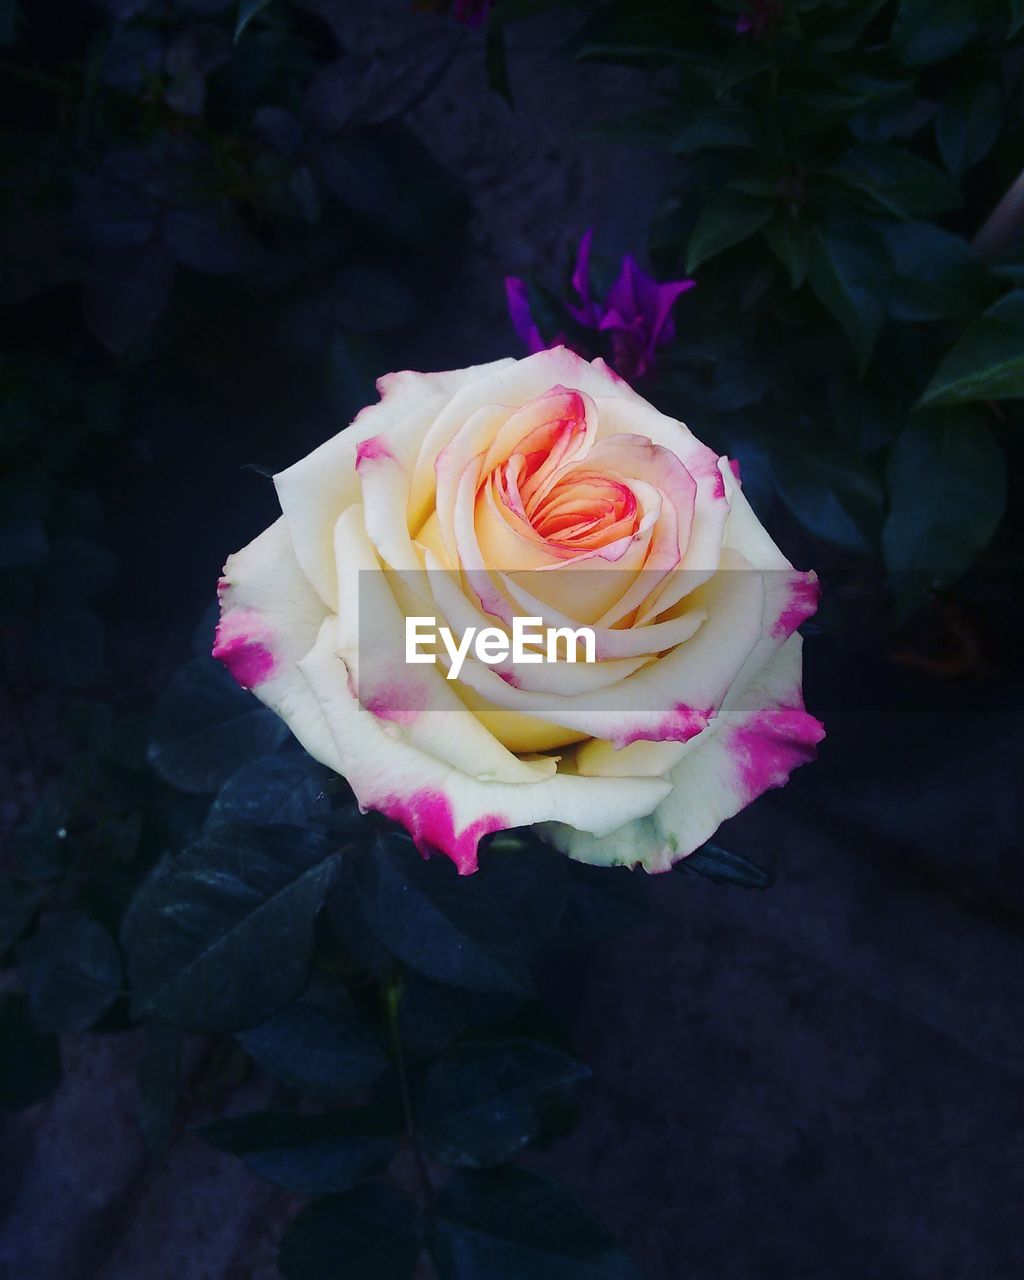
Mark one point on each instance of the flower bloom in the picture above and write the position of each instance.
(636, 314)
(543, 488)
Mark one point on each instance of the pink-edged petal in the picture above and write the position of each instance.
(759, 737)
(314, 491)
(394, 776)
(270, 619)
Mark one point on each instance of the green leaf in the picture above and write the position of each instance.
(636, 36)
(900, 182)
(482, 1103)
(727, 218)
(724, 867)
(447, 927)
(157, 1079)
(831, 491)
(724, 128)
(789, 240)
(312, 1155)
(325, 1051)
(529, 880)
(509, 1224)
(222, 937)
(206, 728)
(947, 495)
(30, 1067)
(847, 27)
(72, 971)
(927, 31)
(849, 274)
(987, 362)
(601, 902)
(432, 1016)
(247, 10)
(288, 789)
(18, 904)
(368, 1233)
(936, 275)
(968, 124)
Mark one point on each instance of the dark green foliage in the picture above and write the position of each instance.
(368, 1233)
(449, 928)
(483, 1103)
(947, 480)
(834, 165)
(513, 1225)
(987, 361)
(206, 728)
(313, 1155)
(220, 938)
(725, 867)
(72, 972)
(327, 1051)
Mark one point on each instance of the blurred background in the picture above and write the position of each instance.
(219, 223)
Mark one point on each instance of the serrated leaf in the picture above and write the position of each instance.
(897, 180)
(325, 1051)
(509, 1224)
(222, 939)
(368, 1233)
(481, 1104)
(728, 218)
(447, 927)
(30, 1067)
(987, 362)
(312, 1155)
(947, 495)
(206, 728)
(849, 274)
(725, 867)
(72, 971)
(967, 125)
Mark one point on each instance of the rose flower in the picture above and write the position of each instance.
(544, 488)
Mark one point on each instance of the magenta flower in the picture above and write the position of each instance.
(636, 314)
(522, 316)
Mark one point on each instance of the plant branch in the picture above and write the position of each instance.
(391, 997)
